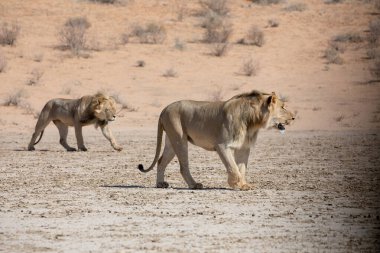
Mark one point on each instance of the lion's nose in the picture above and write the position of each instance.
(293, 118)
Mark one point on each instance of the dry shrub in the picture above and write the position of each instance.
(218, 7)
(105, 1)
(180, 45)
(350, 37)
(73, 34)
(250, 67)
(124, 105)
(296, 7)
(36, 75)
(333, 1)
(150, 34)
(375, 70)
(374, 32)
(140, 64)
(3, 62)
(219, 49)
(332, 55)
(15, 98)
(273, 23)
(218, 29)
(266, 2)
(170, 73)
(254, 37)
(373, 53)
(9, 33)
(341, 48)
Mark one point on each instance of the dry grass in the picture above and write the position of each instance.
(255, 36)
(340, 118)
(36, 75)
(122, 102)
(332, 56)
(374, 32)
(266, 2)
(14, 99)
(140, 64)
(273, 23)
(149, 34)
(351, 37)
(295, 7)
(333, 1)
(170, 73)
(179, 45)
(218, 7)
(219, 49)
(8, 33)
(73, 34)
(250, 67)
(218, 29)
(3, 62)
(375, 70)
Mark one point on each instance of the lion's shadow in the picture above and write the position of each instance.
(174, 188)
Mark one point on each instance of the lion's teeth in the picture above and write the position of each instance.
(282, 131)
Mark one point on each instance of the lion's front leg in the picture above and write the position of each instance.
(235, 179)
(79, 136)
(109, 136)
(241, 159)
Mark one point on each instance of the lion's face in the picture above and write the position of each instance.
(279, 114)
(106, 109)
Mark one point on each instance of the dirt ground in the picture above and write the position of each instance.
(317, 192)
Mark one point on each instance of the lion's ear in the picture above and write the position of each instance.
(272, 99)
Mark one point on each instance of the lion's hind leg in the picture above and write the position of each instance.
(163, 162)
(63, 131)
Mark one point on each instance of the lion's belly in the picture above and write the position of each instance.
(202, 142)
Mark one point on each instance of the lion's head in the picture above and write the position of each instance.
(104, 107)
(279, 115)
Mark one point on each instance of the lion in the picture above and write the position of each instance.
(98, 109)
(228, 127)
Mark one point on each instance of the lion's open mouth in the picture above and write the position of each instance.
(280, 127)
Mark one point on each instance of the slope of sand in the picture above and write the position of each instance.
(316, 187)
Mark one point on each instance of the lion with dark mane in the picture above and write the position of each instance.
(99, 109)
(228, 127)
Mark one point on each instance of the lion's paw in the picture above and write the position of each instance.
(246, 187)
(118, 148)
(83, 149)
(71, 149)
(197, 186)
(31, 148)
(162, 185)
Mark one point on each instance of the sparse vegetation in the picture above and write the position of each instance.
(340, 47)
(374, 32)
(218, 29)
(3, 62)
(180, 45)
(104, 1)
(250, 68)
(140, 64)
(9, 33)
(73, 34)
(332, 55)
(14, 99)
(333, 1)
(351, 37)
(273, 23)
(373, 53)
(218, 7)
(123, 103)
(170, 73)
(296, 7)
(254, 37)
(38, 57)
(375, 70)
(150, 34)
(219, 49)
(340, 118)
(36, 75)
(266, 2)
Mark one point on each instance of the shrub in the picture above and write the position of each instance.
(374, 31)
(8, 33)
(250, 68)
(3, 62)
(341, 48)
(266, 2)
(180, 45)
(218, 30)
(348, 37)
(254, 37)
(332, 56)
(170, 73)
(375, 70)
(273, 23)
(296, 7)
(104, 1)
(73, 34)
(219, 49)
(216, 6)
(150, 34)
(35, 78)
(140, 63)
(14, 99)
(333, 1)
(123, 103)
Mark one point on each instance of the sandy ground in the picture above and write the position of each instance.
(317, 192)
(314, 192)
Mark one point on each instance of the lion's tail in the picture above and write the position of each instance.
(42, 133)
(160, 131)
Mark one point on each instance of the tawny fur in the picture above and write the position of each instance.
(98, 110)
(229, 127)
